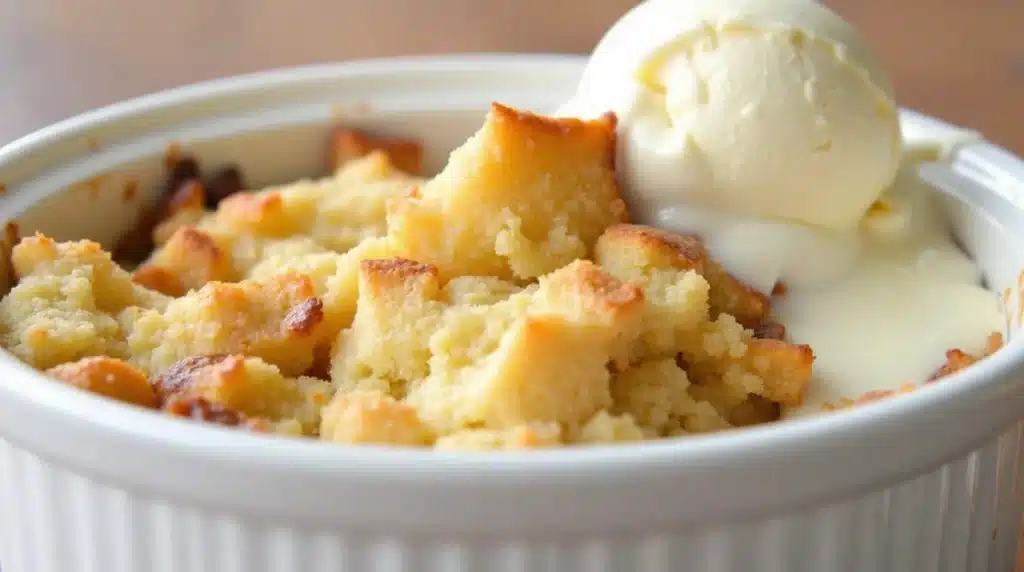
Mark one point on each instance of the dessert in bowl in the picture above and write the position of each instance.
(521, 297)
(790, 495)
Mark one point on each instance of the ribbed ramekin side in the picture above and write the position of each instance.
(964, 516)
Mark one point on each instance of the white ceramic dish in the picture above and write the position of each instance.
(929, 481)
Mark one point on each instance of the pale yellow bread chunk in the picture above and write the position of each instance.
(335, 213)
(63, 306)
(250, 387)
(387, 346)
(189, 259)
(278, 320)
(523, 197)
(372, 418)
(721, 355)
(629, 249)
(540, 355)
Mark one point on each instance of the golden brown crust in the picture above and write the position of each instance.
(109, 377)
(249, 317)
(182, 374)
(159, 279)
(263, 211)
(956, 360)
(785, 368)
(304, 318)
(524, 196)
(130, 190)
(188, 260)
(658, 248)
(200, 409)
(520, 437)
(246, 387)
(349, 144)
(637, 247)
(394, 272)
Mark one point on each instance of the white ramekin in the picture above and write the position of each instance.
(929, 481)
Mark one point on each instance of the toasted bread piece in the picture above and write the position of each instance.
(109, 377)
(398, 310)
(335, 213)
(264, 214)
(349, 144)
(372, 418)
(668, 268)
(247, 386)
(728, 364)
(277, 320)
(784, 368)
(335, 277)
(523, 197)
(338, 212)
(187, 261)
(635, 250)
(186, 207)
(63, 307)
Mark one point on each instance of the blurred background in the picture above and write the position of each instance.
(958, 59)
(962, 60)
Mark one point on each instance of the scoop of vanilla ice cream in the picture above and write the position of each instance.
(768, 108)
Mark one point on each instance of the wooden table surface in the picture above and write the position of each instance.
(960, 60)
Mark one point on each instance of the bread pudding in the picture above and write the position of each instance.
(506, 303)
